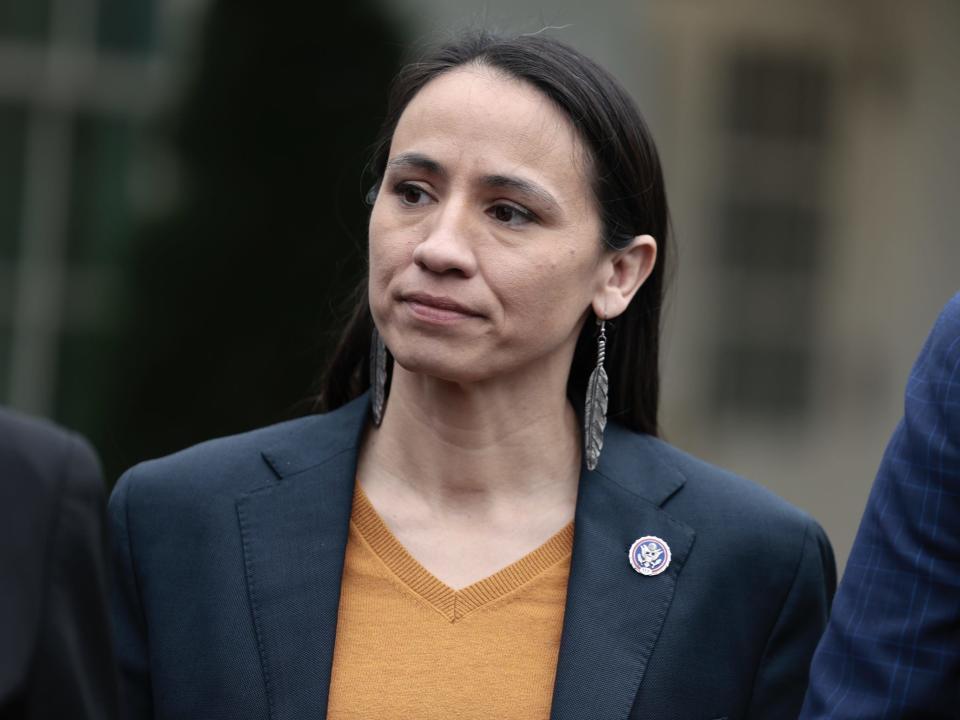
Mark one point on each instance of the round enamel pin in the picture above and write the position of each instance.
(649, 555)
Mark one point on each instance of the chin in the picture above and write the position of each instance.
(438, 365)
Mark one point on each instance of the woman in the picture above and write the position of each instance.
(471, 538)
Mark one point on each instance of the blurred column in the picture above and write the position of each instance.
(39, 278)
(77, 77)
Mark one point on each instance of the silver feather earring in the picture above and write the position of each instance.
(378, 376)
(595, 412)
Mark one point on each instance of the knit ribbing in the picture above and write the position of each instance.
(453, 604)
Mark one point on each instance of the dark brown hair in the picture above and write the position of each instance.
(629, 190)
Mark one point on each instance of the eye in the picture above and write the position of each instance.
(411, 195)
(511, 215)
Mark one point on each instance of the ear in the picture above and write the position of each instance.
(622, 272)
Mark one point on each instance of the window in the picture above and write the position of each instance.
(771, 227)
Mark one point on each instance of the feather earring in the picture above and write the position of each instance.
(378, 376)
(595, 412)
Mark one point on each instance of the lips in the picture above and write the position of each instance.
(438, 308)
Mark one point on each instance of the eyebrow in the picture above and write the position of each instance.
(526, 187)
(417, 160)
(522, 186)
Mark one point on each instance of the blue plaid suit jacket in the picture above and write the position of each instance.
(892, 646)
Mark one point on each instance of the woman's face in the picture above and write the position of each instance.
(485, 245)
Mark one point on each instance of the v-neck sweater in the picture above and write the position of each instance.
(409, 646)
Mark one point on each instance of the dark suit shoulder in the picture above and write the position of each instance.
(39, 453)
(24, 430)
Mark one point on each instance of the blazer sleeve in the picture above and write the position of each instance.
(783, 672)
(73, 652)
(130, 631)
(892, 648)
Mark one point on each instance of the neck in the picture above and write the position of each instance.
(476, 448)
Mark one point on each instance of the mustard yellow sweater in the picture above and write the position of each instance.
(409, 647)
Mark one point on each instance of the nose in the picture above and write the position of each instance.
(447, 248)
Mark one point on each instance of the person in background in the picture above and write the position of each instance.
(56, 657)
(892, 647)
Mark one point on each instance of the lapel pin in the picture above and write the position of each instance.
(649, 555)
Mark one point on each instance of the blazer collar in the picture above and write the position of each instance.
(294, 534)
(315, 439)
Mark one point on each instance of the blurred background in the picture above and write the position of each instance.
(181, 211)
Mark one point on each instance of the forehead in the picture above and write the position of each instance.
(477, 117)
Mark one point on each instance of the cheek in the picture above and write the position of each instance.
(384, 264)
(548, 295)
(388, 252)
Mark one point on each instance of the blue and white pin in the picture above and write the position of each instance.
(650, 555)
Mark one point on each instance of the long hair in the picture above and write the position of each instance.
(629, 192)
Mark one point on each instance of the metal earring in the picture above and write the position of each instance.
(595, 412)
(378, 376)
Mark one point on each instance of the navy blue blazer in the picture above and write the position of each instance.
(892, 649)
(229, 557)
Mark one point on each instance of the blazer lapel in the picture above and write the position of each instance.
(294, 537)
(294, 534)
(613, 614)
